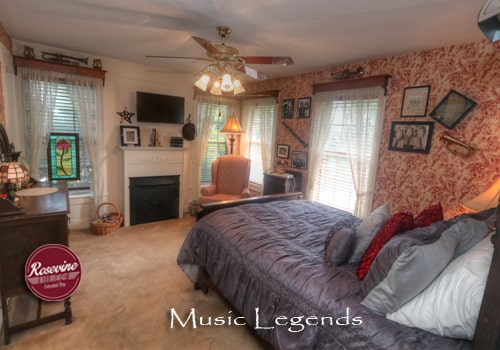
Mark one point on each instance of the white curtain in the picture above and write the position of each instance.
(40, 90)
(362, 115)
(88, 92)
(320, 131)
(207, 107)
(39, 102)
(263, 113)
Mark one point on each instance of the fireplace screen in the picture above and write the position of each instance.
(154, 198)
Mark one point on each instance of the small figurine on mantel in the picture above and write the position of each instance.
(125, 116)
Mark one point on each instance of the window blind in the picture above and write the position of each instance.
(334, 182)
(64, 119)
(260, 127)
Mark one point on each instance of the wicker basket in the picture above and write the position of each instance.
(108, 222)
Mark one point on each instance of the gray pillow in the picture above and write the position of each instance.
(340, 246)
(419, 265)
(367, 229)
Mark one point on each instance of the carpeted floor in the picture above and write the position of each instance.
(130, 283)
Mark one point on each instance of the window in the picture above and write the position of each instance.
(64, 108)
(346, 138)
(216, 145)
(260, 124)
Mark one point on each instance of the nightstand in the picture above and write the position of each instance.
(278, 183)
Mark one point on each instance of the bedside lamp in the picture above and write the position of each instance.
(232, 127)
(13, 174)
(486, 200)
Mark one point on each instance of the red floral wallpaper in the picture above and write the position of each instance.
(413, 181)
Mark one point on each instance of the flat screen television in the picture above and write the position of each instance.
(157, 108)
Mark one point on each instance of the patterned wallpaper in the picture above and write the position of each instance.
(413, 181)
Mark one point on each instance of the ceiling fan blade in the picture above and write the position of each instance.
(280, 60)
(251, 72)
(207, 45)
(180, 57)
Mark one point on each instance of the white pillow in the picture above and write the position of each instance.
(367, 229)
(449, 306)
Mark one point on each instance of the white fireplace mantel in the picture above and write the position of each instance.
(150, 161)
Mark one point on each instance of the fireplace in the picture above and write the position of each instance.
(153, 198)
(156, 173)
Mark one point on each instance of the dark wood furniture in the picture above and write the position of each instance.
(207, 208)
(487, 334)
(290, 181)
(44, 220)
(278, 183)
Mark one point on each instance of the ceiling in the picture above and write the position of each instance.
(317, 34)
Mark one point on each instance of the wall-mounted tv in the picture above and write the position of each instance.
(156, 108)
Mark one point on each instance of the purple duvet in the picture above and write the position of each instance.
(268, 260)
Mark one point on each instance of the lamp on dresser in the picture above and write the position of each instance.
(13, 175)
(486, 200)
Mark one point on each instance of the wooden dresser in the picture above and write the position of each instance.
(44, 220)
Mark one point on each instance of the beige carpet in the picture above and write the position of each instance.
(130, 282)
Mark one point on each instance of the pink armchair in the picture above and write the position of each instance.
(229, 180)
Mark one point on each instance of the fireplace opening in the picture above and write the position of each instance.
(153, 198)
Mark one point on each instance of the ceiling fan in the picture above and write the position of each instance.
(226, 58)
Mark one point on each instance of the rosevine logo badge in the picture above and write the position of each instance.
(53, 272)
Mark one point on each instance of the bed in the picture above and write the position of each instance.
(279, 266)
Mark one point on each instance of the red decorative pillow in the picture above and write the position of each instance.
(398, 223)
(430, 215)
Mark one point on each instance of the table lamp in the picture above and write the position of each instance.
(232, 127)
(486, 200)
(13, 174)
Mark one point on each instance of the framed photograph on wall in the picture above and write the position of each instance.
(452, 109)
(299, 160)
(304, 107)
(288, 108)
(283, 151)
(63, 156)
(411, 136)
(130, 135)
(415, 101)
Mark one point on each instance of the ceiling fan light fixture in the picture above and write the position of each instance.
(227, 84)
(216, 90)
(238, 88)
(202, 83)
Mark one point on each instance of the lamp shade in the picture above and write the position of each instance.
(13, 173)
(232, 126)
(486, 200)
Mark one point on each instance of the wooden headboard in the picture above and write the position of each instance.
(487, 334)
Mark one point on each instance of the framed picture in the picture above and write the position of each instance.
(288, 108)
(63, 156)
(299, 160)
(283, 151)
(411, 136)
(452, 109)
(130, 135)
(304, 104)
(415, 100)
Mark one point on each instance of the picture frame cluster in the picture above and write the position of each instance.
(416, 136)
(303, 108)
(298, 158)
